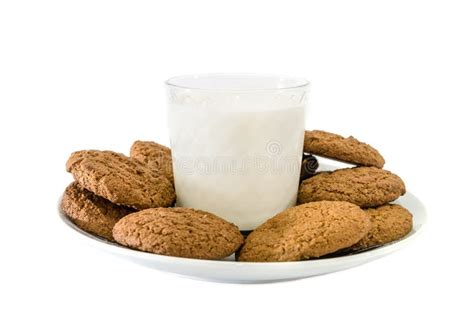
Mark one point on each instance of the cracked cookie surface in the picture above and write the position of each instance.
(337, 147)
(177, 231)
(154, 155)
(363, 186)
(305, 231)
(120, 179)
(388, 223)
(90, 212)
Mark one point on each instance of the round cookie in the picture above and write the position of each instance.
(155, 156)
(90, 212)
(363, 186)
(309, 230)
(120, 179)
(388, 223)
(348, 149)
(183, 232)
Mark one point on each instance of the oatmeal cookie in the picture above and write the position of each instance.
(183, 232)
(90, 212)
(120, 179)
(363, 186)
(348, 149)
(155, 156)
(305, 231)
(388, 223)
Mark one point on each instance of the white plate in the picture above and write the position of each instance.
(229, 270)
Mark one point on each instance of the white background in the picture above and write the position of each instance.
(88, 74)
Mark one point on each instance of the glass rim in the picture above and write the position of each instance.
(299, 82)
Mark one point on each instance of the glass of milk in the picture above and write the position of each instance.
(237, 143)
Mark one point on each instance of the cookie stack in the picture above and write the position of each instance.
(341, 211)
(130, 200)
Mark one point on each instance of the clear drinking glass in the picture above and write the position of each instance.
(237, 143)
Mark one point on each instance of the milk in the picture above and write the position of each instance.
(240, 162)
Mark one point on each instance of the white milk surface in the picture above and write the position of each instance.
(243, 166)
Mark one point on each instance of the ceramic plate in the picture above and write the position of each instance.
(228, 270)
